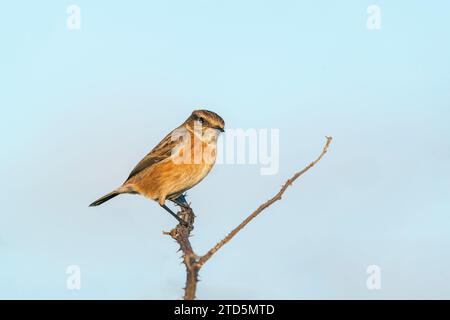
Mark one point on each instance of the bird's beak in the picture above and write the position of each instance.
(221, 129)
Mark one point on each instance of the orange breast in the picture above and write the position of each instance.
(170, 177)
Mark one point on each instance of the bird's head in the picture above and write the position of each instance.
(207, 119)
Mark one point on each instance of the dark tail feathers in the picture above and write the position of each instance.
(104, 198)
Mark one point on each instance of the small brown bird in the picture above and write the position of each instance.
(178, 163)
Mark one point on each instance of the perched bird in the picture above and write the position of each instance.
(179, 162)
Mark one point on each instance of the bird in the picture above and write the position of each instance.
(179, 162)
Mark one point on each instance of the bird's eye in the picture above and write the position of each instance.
(201, 120)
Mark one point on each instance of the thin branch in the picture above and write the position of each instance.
(182, 232)
(264, 206)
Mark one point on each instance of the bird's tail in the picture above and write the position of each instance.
(105, 198)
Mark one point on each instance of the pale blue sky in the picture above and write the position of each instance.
(80, 108)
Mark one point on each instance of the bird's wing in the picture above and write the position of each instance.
(159, 153)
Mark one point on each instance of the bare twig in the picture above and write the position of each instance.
(264, 206)
(181, 233)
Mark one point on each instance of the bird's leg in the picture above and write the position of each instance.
(186, 213)
(181, 201)
(181, 221)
